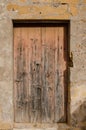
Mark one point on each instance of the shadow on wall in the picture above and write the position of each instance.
(79, 116)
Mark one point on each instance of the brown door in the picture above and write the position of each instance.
(40, 73)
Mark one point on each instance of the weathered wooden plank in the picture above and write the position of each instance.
(21, 77)
(59, 79)
(24, 74)
(16, 84)
(30, 33)
(56, 74)
(48, 73)
(50, 34)
(62, 70)
(43, 94)
(17, 79)
(28, 112)
(35, 75)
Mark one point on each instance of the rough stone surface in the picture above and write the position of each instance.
(73, 10)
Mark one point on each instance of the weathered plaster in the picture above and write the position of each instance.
(73, 10)
(46, 8)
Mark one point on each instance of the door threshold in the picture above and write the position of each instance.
(35, 126)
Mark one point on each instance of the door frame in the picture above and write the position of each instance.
(21, 23)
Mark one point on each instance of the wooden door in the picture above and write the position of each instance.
(40, 73)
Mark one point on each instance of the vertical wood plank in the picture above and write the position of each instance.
(21, 74)
(62, 69)
(30, 32)
(16, 84)
(48, 53)
(59, 79)
(35, 69)
(24, 74)
(57, 101)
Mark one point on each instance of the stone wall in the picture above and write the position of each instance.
(73, 10)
